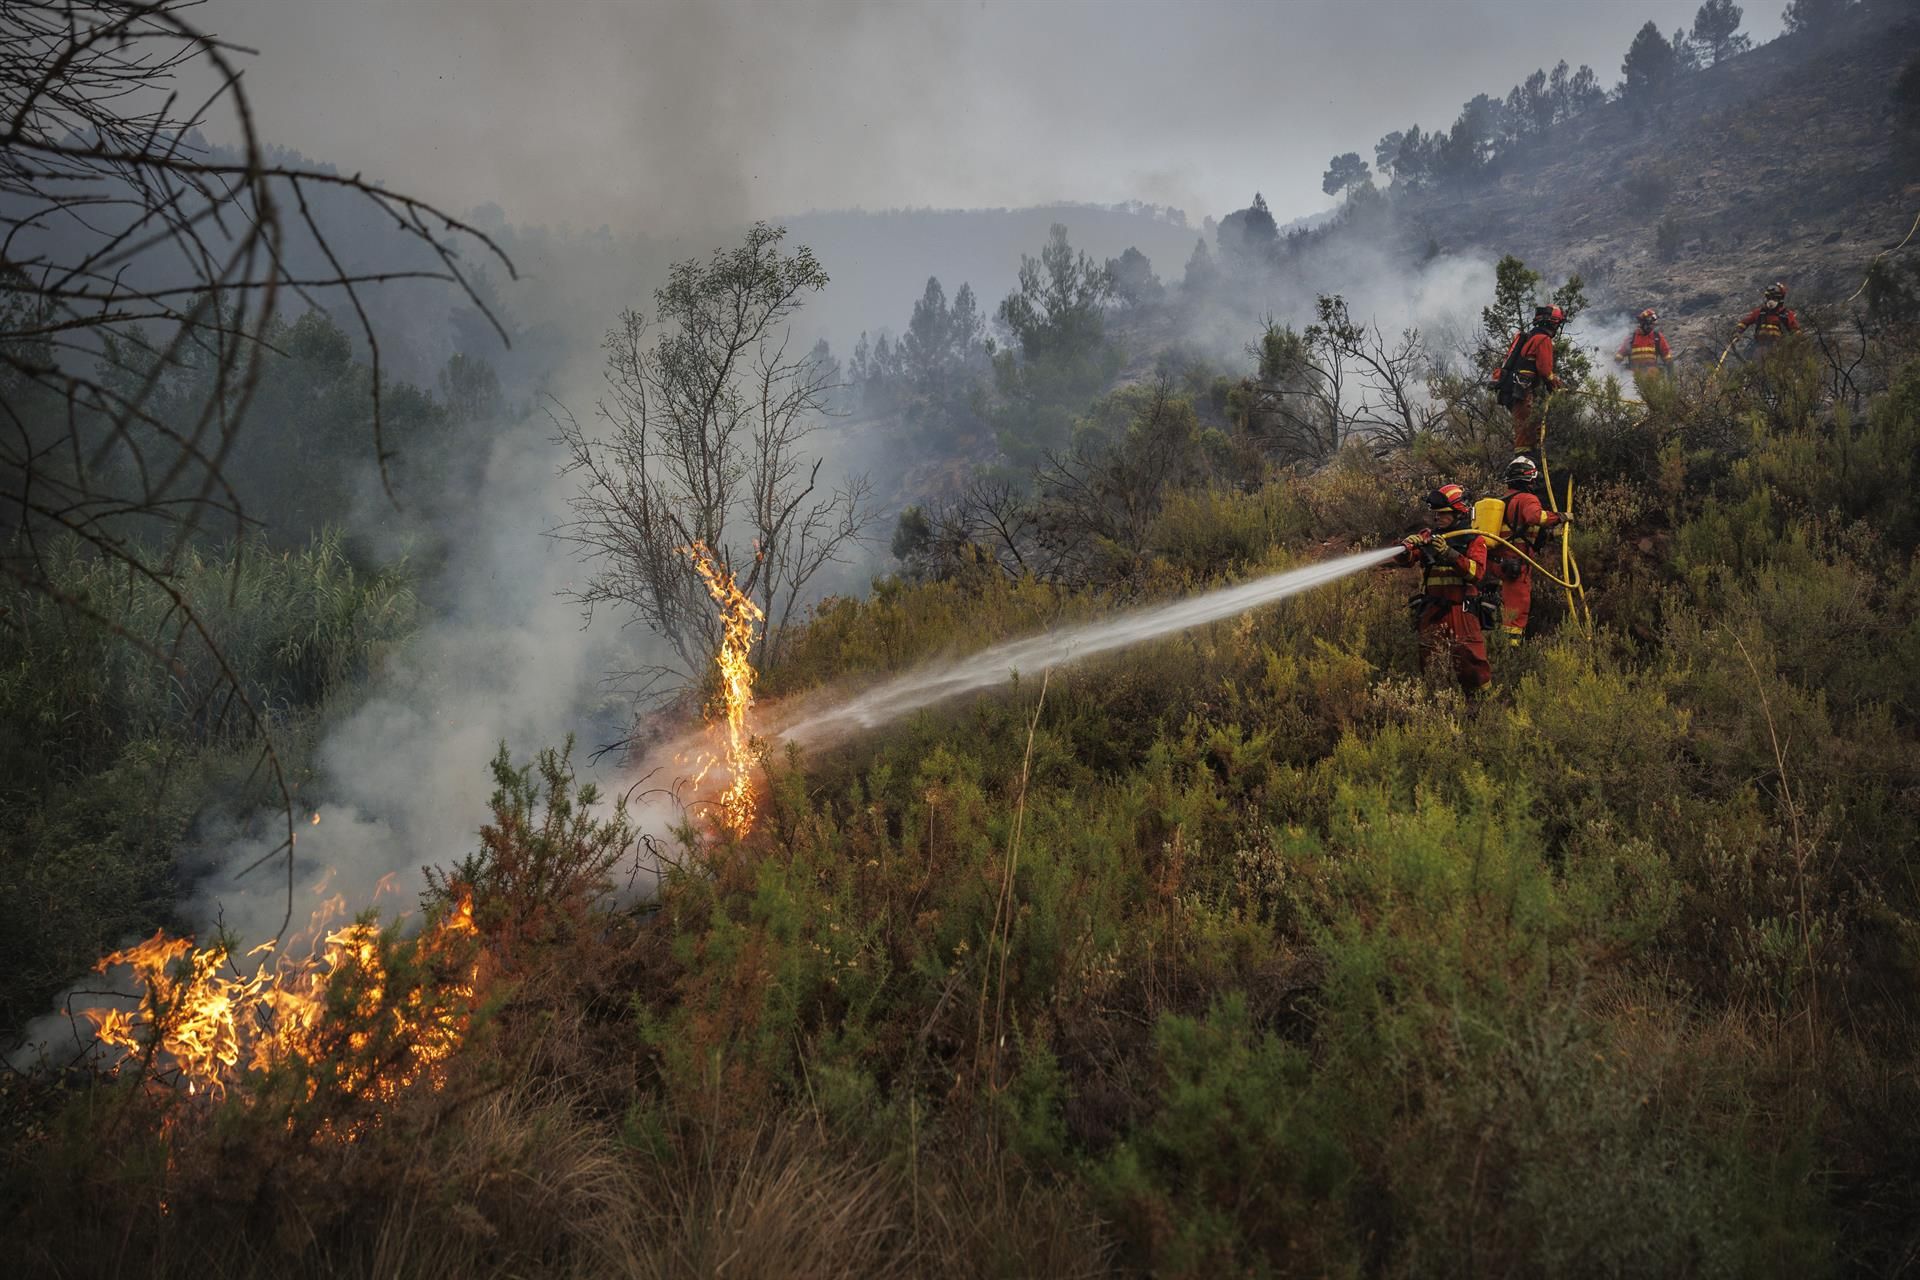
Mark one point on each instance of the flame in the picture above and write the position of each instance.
(210, 1022)
(738, 616)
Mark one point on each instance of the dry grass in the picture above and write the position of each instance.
(522, 1183)
(789, 1205)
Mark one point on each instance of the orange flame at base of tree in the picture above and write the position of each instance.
(738, 617)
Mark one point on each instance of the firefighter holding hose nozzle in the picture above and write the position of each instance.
(1449, 612)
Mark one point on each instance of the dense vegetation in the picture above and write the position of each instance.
(1248, 950)
(1253, 950)
(108, 758)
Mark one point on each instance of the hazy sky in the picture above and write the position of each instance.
(659, 114)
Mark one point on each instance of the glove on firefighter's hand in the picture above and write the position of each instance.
(1557, 518)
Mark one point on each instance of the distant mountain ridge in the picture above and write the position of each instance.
(1781, 163)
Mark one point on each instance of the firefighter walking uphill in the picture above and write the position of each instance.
(1526, 376)
(1448, 611)
(1770, 321)
(1525, 524)
(1645, 351)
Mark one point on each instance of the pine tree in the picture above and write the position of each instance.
(1649, 67)
(1716, 29)
(1813, 17)
(1201, 273)
(1345, 171)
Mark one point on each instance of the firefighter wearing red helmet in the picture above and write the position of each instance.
(1526, 522)
(1645, 351)
(1771, 321)
(1526, 375)
(1452, 570)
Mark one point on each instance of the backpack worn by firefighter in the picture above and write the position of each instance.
(1526, 365)
(1489, 518)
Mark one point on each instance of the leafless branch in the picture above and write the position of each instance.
(131, 249)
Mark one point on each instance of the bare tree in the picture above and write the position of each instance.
(1336, 381)
(1391, 405)
(1295, 401)
(129, 249)
(992, 522)
(708, 419)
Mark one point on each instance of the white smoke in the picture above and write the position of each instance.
(402, 778)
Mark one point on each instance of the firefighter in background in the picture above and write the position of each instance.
(1526, 376)
(1445, 612)
(1770, 321)
(1646, 351)
(1526, 523)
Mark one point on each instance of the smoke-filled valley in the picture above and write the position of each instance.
(662, 726)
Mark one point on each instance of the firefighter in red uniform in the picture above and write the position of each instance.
(1646, 351)
(1770, 321)
(1452, 571)
(1526, 522)
(1527, 369)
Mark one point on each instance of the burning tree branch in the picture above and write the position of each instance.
(738, 617)
(708, 420)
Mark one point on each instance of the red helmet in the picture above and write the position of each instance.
(1451, 497)
(1777, 291)
(1649, 317)
(1549, 316)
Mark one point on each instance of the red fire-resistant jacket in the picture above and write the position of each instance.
(1644, 351)
(1443, 580)
(1770, 326)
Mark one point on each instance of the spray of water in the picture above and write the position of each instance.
(909, 693)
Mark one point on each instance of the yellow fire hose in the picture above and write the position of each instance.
(1569, 563)
(1732, 342)
(1570, 569)
(1883, 253)
(1539, 568)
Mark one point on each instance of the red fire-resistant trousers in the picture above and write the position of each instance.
(1516, 597)
(1449, 630)
(1526, 426)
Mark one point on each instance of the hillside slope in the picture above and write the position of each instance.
(1780, 163)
